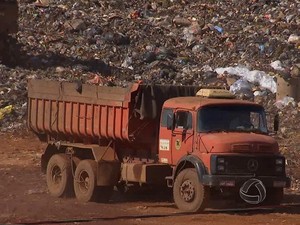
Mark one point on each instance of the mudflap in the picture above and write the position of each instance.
(108, 173)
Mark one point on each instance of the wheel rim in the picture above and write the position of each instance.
(187, 191)
(84, 182)
(56, 175)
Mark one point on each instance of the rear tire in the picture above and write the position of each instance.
(59, 175)
(189, 194)
(85, 181)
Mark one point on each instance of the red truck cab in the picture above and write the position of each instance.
(222, 143)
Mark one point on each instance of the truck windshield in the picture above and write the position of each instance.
(232, 118)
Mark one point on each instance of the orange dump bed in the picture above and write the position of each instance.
(74, 110)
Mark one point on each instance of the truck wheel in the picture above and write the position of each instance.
(59, 175)
(274, 196)
(85, 181)
(189, 194)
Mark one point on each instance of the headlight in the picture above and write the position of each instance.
(221, 160)
(279, 165)
(218, 164)
(221, 164)
(221, 167)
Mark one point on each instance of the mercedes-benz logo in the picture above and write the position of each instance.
(252, 165)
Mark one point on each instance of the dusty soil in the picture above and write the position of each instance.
(25, 199)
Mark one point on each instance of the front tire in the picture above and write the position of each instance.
(189, 194)
(59, 175)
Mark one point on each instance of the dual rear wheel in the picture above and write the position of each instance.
(59, 176)
(63, 181)
(85, 183)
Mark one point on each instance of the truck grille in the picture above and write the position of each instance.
(241, 165)
(251, 147)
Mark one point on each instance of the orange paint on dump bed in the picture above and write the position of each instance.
(96, 112)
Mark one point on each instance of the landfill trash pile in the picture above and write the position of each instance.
(239, 45)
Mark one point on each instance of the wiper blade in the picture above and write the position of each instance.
(247, 131)
(258, 131)
(216, 130)
(219, 130)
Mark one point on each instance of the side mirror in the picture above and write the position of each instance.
(170, 122)
(276, 122)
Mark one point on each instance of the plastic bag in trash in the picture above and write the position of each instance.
(127, 63)
(280, 104)
(253, 76)
(242, 88)
(277, 65)
(6, 110)
(190, 32)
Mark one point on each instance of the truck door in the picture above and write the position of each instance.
(165, 136)
(182, 135)
(176, 142)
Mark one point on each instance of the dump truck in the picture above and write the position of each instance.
(8, 26)
(202, 143)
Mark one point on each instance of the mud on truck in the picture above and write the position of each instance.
(8, 26)
(204, 144)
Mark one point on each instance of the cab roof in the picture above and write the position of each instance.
(196, 102)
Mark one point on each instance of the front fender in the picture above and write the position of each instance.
(186, 162)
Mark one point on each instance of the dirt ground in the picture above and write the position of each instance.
(24, 199)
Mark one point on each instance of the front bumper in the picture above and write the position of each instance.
(238, 180)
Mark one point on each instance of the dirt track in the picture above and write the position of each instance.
(24, 199)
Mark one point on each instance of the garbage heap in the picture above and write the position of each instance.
(244, 46)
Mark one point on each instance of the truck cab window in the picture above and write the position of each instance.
(241, 120)
(232, 118)
(165, 114)
(183, 119)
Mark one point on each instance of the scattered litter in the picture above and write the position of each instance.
(5, 111)
(242, 88)
(280, 104)
(277, 65)
(253, 76)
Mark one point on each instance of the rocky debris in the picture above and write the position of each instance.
(159, 42)
(295, 71)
